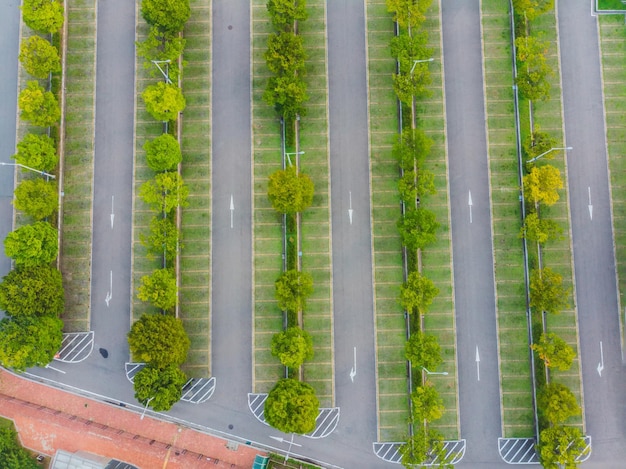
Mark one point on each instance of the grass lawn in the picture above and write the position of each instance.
(610, 5)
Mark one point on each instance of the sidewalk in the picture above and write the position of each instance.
(48, 419)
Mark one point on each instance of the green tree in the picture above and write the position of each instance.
(163, 101)
(540, 230)
(159, 289)
(408, 13)
(418, 293)
(12, 454)
(292, 290)
(547, 292)
(29, 341)
(292, 347)
(38, 106)
(532, 8)
(159, 340)
(418, 228)
(412, 186)
(27, 291)
(290, 192)
(285, 54)
(538, 143)
(32, 245)
(162, 387)
(158, 46)
(284, 13)
(411, 149)
(164, 238)
(38, 152)
(37, 198)
(560, 446)
(533, 70)
(413, 77)
(427, 404)
(165, 192)
(168, 16)
(554, 351)
(163, 153)
(44, 16)
(292, 407)
(425, 444)
(423, 351)
(39, 57)
(556, 403)
(541, 184)
(287, 94)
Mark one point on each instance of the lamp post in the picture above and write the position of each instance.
(48, 175)
(546, 152)
(145, 408)
(293, 153)
(415, 62)
(443, 373)
(166, 72)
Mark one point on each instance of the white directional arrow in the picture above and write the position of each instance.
(590, 206)
(350, 211)
(280, 439)
(112, 211)
(469, 202)
(232, 210)
(353, 370)
(109, 296)
(477, 363)
(601, 364)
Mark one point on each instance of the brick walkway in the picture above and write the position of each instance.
(48, 419)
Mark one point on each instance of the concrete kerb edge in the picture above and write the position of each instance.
(569, 219)
(132, 204)
(61, 143)
(371, 215)
(252, 181)
(453, 296)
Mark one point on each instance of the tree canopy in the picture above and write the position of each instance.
(547, 292)
(39, 57)
(163, 101)
(290, 192)
(159, 289)
(285, 54)
(292, 290)
(292, 347)
(159, 340)
(38, 152)
(287, 94)
(163, 153)
(554, 351)
(418, 228)
(418, 293)
(29, 341)
(164, 238)
(292, 407)
(44, 16)
(542, 183)
(32, 245)
(284, 13)
(556, 403)
(38, 106)
(168, 16)
(427, 404)
(165, 192)
(532, 8)
(413, 186)
(533, 70)
(538, 143)
(161, 47)
(12, 454)
(540, 230)
(411, 149)
(163, 387)
(27, 291)
(423, 351)
(37, 198)
(424, 444)
(408, 13)
(560, 446)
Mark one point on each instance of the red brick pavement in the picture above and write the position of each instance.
(48, 419)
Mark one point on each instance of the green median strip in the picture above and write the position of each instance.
(75, 254)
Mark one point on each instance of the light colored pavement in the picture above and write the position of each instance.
(352, 242)
(9, 43)
(594, 257)
(471, 240)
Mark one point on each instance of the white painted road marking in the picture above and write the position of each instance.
(232, 210)
(350, 211)
(353, 370)
(469, 202)
(109, 296)
(601, 364)
(112, 211)
(590, 206)
(477, 363)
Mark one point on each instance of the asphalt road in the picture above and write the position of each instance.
(594, 255)
(479, 391)
(9, 44)
(352, 242)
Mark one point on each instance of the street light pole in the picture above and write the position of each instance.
(293, 153)
(145, 408)
(30, 169)
(415, 62)
(443, 373)
(546, 152)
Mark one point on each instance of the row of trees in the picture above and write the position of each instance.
(159, 339)
(558, 444)
(32, 293)
(291, 405)
(417, 227)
